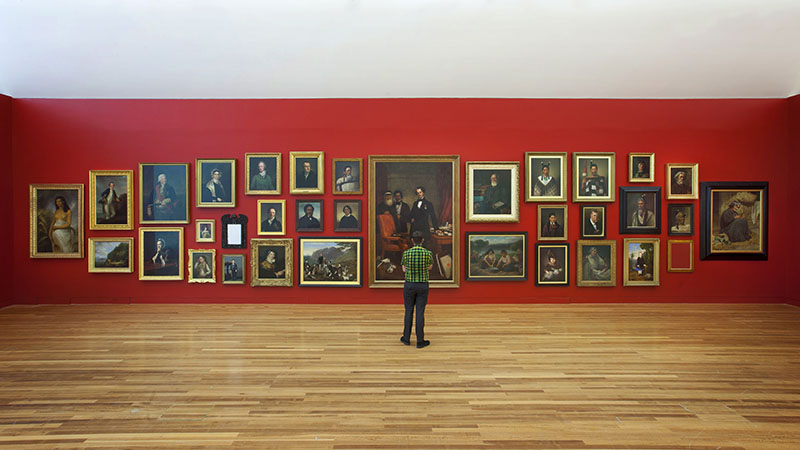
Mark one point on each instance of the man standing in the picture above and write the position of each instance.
(347, 182)
(401, 211)
(416, 263)
(420, 213)
(262, 181)
(109, 200)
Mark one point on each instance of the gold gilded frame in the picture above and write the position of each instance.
(695, 182)
(293, 189)
(222, 267)
(198, 222)
(34, 222)
(627, 261)
(93, 174)
(539, 236)
(283, 222)
(576, 177)
(190, 270)
(288, 250)
(335, 175)
(612, 263)
(198, 182)
(278, 179)
(91, 261)
(142, 199)
(529, 176)
(669, 255)
(651, 169)
(142, 276)
(513, 216)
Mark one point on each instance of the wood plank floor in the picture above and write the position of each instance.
(336, 377)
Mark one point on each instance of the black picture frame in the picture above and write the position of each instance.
(471, 273)
(585, 225)
(308, 226)
(707, 240)
(672, 211)
(565, 269)
(625, 213)
(234, 219)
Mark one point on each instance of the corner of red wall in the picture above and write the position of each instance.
(6, 203)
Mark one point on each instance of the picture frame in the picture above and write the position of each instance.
(680, 219)
(271, 262)
(389, 234)
(347, 182)
(682, 181)
(641, 167)
(496, 256)
(161, 252)
(110, 255)
(307, 180)
(305, 222)
(329, 261)
(538, 167)
(215, 183)
(233, 268)
(734, 220)
(164, 202)
(345, 220)
(56, 220)
(552, 223)
(597, 263)
(267, 182)
(202, 267)
(641, 261)
(593, 177)
(492, 191)
(640, 210)
(234, 231)
(111, 199)
(680, 255)
(204, 230)
(593, 222)
(271, 217)
(552, 264)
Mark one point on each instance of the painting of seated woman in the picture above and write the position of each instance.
(161, 253)
(56, 220)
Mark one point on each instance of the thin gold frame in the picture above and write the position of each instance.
(293, 189)
(583, 218)
(190, 267)
(278, 178)
(91, 262)
(198, 182)
(539, 281)
(288, 250)
(612, 178)
(34, 222)
(142, 199)
(563, 173)
(222, 267)
(512, 217)
(651, 168)
(612, 263)
(695, 182)
(93, 174)
(539, 236)
(198, 222)
(656, 261)
(669, 255)
(283, 222)
(181, 245)
(334, 176)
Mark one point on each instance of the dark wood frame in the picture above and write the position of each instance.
(705, 220)
(300, 203)
(230, 219)
(334, 210)
(605, 222)
(670, 206)
(623, 209)
(467, 252)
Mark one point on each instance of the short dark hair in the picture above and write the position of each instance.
(421, 188)
(398, 192)
(416, 237)
(308, 205)
(347, 207)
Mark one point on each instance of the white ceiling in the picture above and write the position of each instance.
(399, 48)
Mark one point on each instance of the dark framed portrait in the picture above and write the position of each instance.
(111, 199)
(641, 167)
(640, 210)
(593, 222)
(329, 261)
(233, 269)
(163, 193)
(204, 230)
(56, 220)
(202, 266)
(161, 253)
(410, 193)
(263, 172)
(347, 176)
(597, 263)
(546, 176)
(552, 223)
(306, 172)
(682, 181)
(552, 264)
(593, 177)
(271, 217)
(215, 181)
(271, 262)
(492, 191)
(110, 255)
(681, 219)
(501, 256)
(641, 262)
(234, 230)
(734, 220)
(680, 255)
(308, 215)
(347, 215)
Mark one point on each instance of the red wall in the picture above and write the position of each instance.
(792, 289)
(6, 204)
(60, 140)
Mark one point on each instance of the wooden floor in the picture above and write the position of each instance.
(336, 377)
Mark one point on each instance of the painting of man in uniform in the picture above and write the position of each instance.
(164, 194)
(112, 199)
(492, 191)
(736, 222)
(496, 256)
(640, 261)
(594, 177)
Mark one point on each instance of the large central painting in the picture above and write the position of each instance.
(408, 194)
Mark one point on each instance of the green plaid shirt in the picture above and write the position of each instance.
(416, 261)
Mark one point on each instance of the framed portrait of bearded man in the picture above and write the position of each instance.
(545, 176)
(492, 191)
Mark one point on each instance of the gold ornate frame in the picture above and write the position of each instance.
(513, 216)
(695, 182)
(278, 179)
(222, 267)
(198, 222)
(335, 175)
(91, 261)
(656, 261)
(288, 249)
(651, 158)
(283, 222)
(190, 267)
(77, 217)
(198, 183)
(142, 276)
(576, 177)
(539, 236)
(529, 176)
(142, 199)
(612, 263)
(93, 174)
(669, 255)
(293, 189)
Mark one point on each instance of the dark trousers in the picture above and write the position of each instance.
(415, 295)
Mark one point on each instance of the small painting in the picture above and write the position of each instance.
(552, 264)
(263, 171)
(111, 255)
(492, 192)
(347, 215)
(163, 193)
(216, 183)
(682, 181)
(111, 194)
(271, 217)
(204, 230)
(641, 265)
(161, 253)
(233, 268)
(641, 167)
(56, 220)
(593, 177)
(271, 262)
(347, 176)
(640, 210)
(202, 266)
(306, 172)
(234, 230)
(734, 220)
(329, 261)
(309, 215)
(597, 263)
(680, 255)
(497, 256)
(593, 223)
(552, 223)
(681, 219)
(545, 176)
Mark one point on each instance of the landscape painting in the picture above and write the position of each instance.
(497, 256)
(111, 255)
(330, 262)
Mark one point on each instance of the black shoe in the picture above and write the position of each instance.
(423, 344)
(405, 342)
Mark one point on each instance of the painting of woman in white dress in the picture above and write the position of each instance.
(56, 221)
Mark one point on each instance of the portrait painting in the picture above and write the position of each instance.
(552, 223)
(680, 255)
(161, 253)
(641, 167)
(681, 219)
(56, 220)
(111, 199)
(233, 268)
(492, 191)
(271, 217)
(329, 261)
(204, 230)
(347, 176)
(593, 177)
(308, 215)
(215, 183)
(682, 181)
(263, 172)
(202, 266)
(597, 263)
(546, 176)
(593, 222)
(640, 210)
(163, 193)
(110, 255)
(552, 264)
(641, 262)
(347, 215)
(306, 172)
(497, 256)
(271, 262)
(734, 220)
(408, 194)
